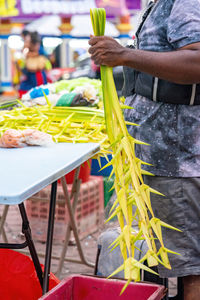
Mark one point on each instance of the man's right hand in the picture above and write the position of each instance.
(106, 51)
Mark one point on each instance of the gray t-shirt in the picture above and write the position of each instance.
(173, 131)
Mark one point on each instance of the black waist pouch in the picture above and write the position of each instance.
(159, 90)
(165, 91)
(129, 81)
(143, 85)
(170, 92)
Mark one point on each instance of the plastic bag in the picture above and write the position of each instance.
(12, 138)
(37, 138)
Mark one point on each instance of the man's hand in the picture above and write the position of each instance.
(106, 51)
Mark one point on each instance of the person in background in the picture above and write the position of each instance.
(17, 61)
(42, 50)
(162, 84)
(55, 57)
(34, 66)
(26, 36)
(78, 56)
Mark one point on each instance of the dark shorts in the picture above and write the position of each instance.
(180, 208)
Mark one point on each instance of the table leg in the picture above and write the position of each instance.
(70, 227)
(74, 195)
(49, 237)
(28, 242)
(73, 224)
(27, 232)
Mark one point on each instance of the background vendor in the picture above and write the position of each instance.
(34, 67)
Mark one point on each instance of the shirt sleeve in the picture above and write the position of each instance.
(184, 23)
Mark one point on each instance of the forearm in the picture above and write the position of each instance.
(182, 66)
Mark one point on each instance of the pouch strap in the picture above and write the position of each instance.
(194, 87)
(155, 88)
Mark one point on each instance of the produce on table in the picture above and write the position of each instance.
(129, 186)
(88, 91)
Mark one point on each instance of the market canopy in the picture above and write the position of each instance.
(49, 25)
(30, 9)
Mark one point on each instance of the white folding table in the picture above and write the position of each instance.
(24, 172)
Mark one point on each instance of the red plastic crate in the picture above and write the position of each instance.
(90, 288)
(88, 214)
(84, 173)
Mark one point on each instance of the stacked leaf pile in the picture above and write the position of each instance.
(65, 124)
(129, 186)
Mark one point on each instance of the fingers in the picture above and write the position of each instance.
(92, 50)
(97, 59)
(96, 43)
(101, 49)
(95, 39)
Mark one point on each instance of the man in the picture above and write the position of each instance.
(162, 83)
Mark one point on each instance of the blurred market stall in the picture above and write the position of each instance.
(65, 29)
